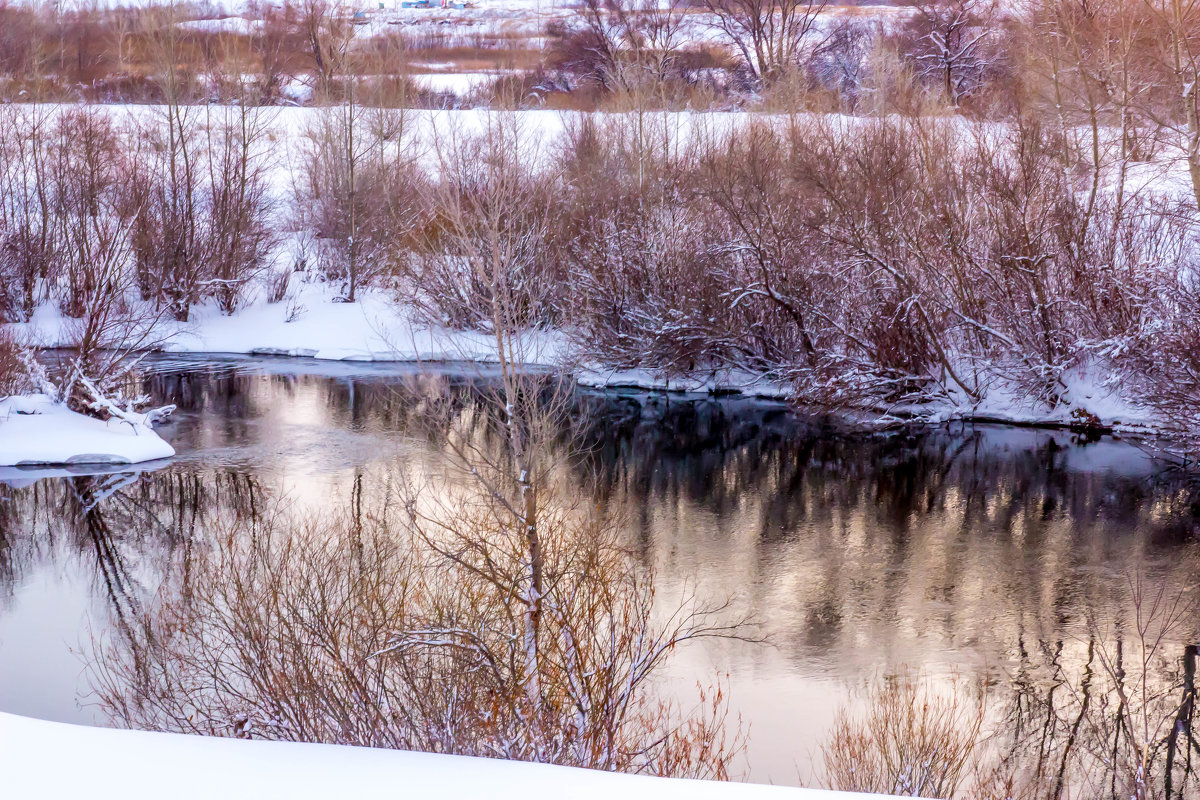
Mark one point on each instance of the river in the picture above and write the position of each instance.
(981, 555)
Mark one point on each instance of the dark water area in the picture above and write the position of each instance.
(972, 554)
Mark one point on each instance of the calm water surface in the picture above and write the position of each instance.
(977, 552)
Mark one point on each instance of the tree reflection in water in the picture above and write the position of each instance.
(991, 552)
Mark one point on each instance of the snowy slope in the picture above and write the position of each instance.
(53, 760)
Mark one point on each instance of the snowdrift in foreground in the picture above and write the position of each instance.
(36, 430)
(105, 763)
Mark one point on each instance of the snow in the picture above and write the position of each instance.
(717, 381)
(459, 83)
(314, 325)
(129, 765)
(36, 430)
(233, 25)
(379, 328)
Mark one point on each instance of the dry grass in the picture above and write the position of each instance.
(13, 379)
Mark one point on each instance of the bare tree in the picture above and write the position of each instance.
(842, 62)
(358, 191)
(328, 34)
(240, 220)
(1089, 55)
(772, 36)
(1175, 28)
(947, 40)
(628, 44)
(28, 233)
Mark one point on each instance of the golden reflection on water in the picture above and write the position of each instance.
(967, 553)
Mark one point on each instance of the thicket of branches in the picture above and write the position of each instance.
(120, 227)
(878, 262)
(175, 205)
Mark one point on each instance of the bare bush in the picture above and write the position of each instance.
(240, 219)
(67, 234)
(204, 225)
(631, 236)
(14, 360)
(486, 239)
(25, 215)
(912, 740)
(358, 193)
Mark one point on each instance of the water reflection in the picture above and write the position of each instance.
(981, 551)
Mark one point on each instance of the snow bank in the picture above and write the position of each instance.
(103, 763)
(36, 430)
(377, 328)
(234, 25)
(722, 381)
(313, 325)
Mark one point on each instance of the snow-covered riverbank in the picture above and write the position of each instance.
(1002, 382)
(52, 760)
(312, 324)
(36, 430)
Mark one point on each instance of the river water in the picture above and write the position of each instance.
(982, 555)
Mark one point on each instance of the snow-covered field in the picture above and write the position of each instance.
(458, 83)
(53, 760)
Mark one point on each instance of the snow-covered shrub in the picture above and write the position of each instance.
(631, 234)
(950, 44)
(65, 224)
(483, 260)
(240, 222)
(873, 262)
(1165, 357)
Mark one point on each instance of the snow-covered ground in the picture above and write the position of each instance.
(313, 325)
(54, 760)
(36, 430)
(458, 83)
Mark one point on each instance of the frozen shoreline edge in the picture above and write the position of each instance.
(592, 378)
